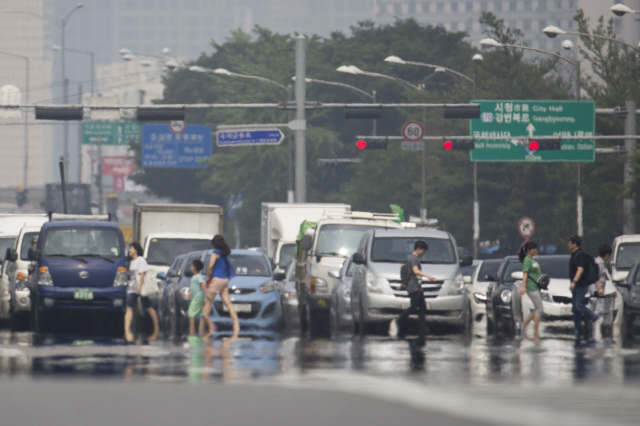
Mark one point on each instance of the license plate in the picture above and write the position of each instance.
(322, 303)
(239, 307)
(83, 294)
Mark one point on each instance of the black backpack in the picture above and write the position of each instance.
(405, 274)
(593, 272)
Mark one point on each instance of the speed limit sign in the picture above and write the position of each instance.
(412, 131)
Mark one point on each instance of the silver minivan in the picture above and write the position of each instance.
(377, 295)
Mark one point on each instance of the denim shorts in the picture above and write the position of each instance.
(132, 298)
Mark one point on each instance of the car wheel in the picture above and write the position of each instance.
(173, 329)
(38, 321)
(627, 328)
(19, 321)
(467, 320)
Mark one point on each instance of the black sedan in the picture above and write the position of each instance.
(500, 312)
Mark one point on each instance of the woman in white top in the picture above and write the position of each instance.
(137, 270)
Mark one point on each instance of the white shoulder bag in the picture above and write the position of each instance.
(149, 285)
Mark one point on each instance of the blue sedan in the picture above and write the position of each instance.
(252, 292)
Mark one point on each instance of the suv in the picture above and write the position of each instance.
(376, 290)
(626, 251)
(323, 247)
(79, 265)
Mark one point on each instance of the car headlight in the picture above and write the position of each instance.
(44, 277)
(184, 292)
(634, 298)
(268, 287)
(374, 283)
(480, 298)
(457, 287)
(545, 297)
(505, 296)
(290, 295)
(319, 286)
(121, 278)
(346, 292)
(22, 281)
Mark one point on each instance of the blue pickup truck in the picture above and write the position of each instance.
(79, 265)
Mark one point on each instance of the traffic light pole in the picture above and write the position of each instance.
(301, 153)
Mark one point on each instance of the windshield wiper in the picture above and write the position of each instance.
(65, 255)
(97, 256)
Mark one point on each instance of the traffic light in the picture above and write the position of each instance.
(59, 114)
(545, 144)
(374, 112)
(371, 144)
(460, 144)
(462, 111)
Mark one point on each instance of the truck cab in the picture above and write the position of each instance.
(323, 248)
(79, 265)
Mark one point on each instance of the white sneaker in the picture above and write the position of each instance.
(393, 328)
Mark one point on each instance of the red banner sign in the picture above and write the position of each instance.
(117, 166)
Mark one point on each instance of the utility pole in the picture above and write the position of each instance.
(628, 222)
(301, 123)
(290, 193)
(580, 229)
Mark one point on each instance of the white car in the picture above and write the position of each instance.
(556, 300)
(483, 275)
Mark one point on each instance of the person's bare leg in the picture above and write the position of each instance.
(526, 322)
(536, 327)
(128, 317)
(192, 326)
(224, 295)
(156, 328)
(206, 311)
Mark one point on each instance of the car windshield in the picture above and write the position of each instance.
(557, 268)
(82, 241)
(162, 251)
(28, 240)
(188, 261)
(247, 265)
(350, 269)
(468, 270)
(488, 267)
(175, 267)
(340, 240)
(396, 249)
(628, 254)
(286, 254)
(509, 269)
(5, 243)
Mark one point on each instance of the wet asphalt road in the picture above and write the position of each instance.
(80, 378)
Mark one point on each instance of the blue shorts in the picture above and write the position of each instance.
(132, 298)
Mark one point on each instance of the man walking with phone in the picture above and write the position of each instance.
(414, 288)
(578, 265)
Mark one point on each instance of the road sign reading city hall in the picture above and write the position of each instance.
(520, 121)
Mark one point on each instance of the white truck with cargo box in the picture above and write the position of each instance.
(168, 230)
(323, 246)
(280, 224)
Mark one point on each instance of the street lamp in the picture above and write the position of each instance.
(26, 125)
(352, 69)
(222, 71)
(621, 9)
(567, 44)
(552, 32)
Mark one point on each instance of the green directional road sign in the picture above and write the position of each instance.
(517, 121)
(110, 132)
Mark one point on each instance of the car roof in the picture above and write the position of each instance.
(408, 232)
(495, 261)
(88, 223)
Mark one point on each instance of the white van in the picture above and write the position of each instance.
(626, 252)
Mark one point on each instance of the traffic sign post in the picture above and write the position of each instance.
(166, 146)
(412, 132)
(519, 121)
(249, 137)
(526, 227)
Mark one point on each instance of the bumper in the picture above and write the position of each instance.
(382, 307)
(57, 299)
(264, 312)
(5, 302)
(320, 303)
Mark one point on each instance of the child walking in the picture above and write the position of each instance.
(197, 297)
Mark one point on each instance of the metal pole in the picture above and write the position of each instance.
(628, 222)
(476, 203)
(99, 182)
(579, 194)
(26, 131)
(301, 123)
(65, 92)
(373, 94)
(80, 138)
(290, 193)
(64, 187)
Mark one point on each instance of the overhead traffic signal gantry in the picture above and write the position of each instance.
(460, 144)
(545, 144)
(363, 144)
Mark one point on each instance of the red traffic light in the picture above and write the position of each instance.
(447, 145)
(361, 144)
(534, 145)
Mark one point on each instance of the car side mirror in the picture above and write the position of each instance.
(279, 276)
(491, 277)
(161, 276)
(306, 243)
(517, 275)
(359, 259)
(466, 279)
(11, 255)
(466, 260)
(188, 274)
(334, 273)
(32, 254)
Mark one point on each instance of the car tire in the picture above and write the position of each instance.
(467, 320)
(627, 328)
(38, 321)
(19, 321)
(490, 325)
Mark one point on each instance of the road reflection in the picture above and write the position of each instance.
(442, 358)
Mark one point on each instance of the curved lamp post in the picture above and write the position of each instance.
(352, 69)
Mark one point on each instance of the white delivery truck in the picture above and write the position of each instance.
(324, 246)
(168, 230)
(280, 224)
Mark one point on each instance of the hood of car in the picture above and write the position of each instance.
(480, 286)
(243, 281)
(559, 287)
(391, 271)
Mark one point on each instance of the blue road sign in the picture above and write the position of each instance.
(182, 148)
(249, 137)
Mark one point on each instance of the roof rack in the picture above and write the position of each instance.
(336, 214)
(62, 216)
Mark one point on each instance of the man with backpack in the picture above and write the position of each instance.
(412, 269)
(583, 271)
